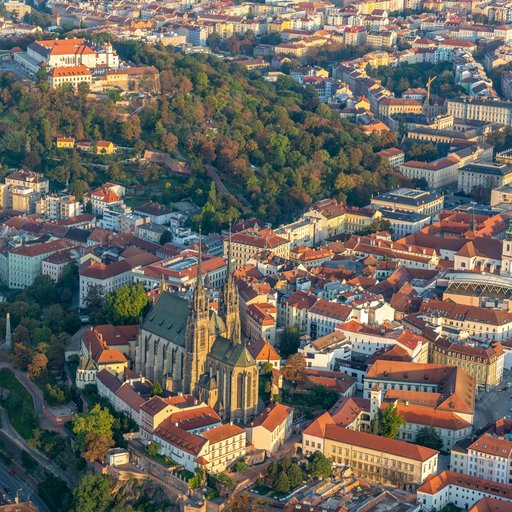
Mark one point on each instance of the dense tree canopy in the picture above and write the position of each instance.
(92, 494)
(94, 432)
(275, 146)
(429, 437)
(319, 465)
(387, 422)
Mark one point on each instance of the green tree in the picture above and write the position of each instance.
(429, 437)
(389, 422)
(240, 466)
(289, 341)
(94, 432)
(266, 367)
(92, 494)
(295, 475)
(282, 483)
(78, 188)
(319, 465)
(157, 389)
(273, 469)
(166, 237)
(126, 305)
(153, 449)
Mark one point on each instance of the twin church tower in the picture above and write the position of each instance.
(191, 348)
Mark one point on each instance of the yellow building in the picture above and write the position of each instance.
(485, 365)
(279, 25)
(390, 106)
(105, 147)
(17, 9)
(65, 142)
(247, 244)
(375, 458)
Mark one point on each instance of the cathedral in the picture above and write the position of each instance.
(190, 348)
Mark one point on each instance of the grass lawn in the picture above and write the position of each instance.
(18, 404)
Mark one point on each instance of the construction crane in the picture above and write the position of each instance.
(430, 80)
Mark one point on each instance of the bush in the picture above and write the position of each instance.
(55, 394)
(28, 462)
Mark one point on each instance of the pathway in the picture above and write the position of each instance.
(47, 420)
(13, 436)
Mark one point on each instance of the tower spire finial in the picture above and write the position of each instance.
(230, 255)
(199, 283)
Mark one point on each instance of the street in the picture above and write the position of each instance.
(494, 404)
(15, 484)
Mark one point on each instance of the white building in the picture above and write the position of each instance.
(271, 428)
(463, 491)
(489, 458)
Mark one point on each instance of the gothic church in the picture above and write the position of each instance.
(191, 348)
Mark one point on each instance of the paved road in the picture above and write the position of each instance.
(494, 405)
(15, 484)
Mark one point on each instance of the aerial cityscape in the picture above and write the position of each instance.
(255, 256)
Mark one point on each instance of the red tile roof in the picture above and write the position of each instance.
(218, 434)
(436, 483)
(378, 443)
(272, 417)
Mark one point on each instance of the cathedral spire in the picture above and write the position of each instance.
(199, 281)
(200, 303)
(229, 305)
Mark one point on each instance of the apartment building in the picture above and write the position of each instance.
(486, 176)
(324, 352)
(480, 323)
(491, 111)
(324, 316)
(293, 309)
(381, 247)
(24, 263)
(463, 491)
(109, 276)
(390, 106)
(102, 198)
(393, 156)
(181, 272)
(485, 365)
(59, 206)
(489, 457)
(28, 179)
(375, 458)
(213, 450)
(366, 340)
(248, 243)
(261, 322)
(424, 202)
